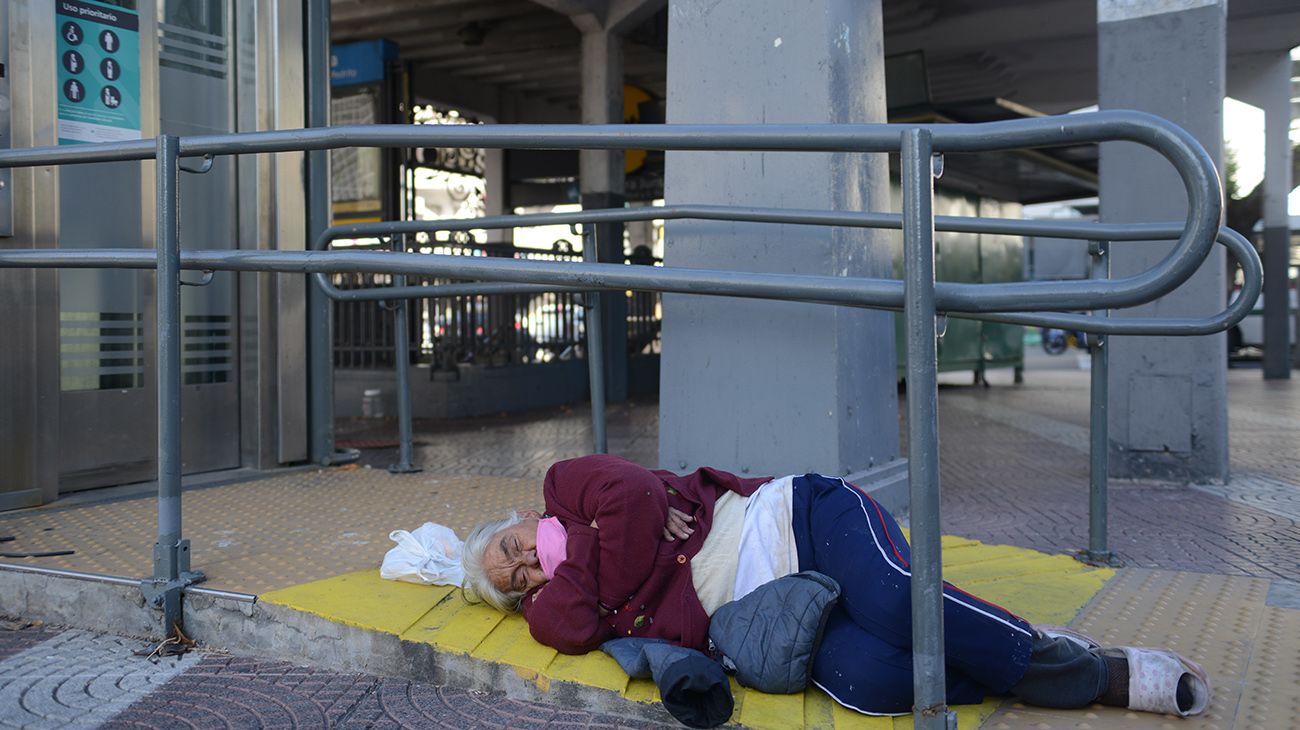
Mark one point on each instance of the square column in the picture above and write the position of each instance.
(761, 387)
(1168, 414)
(1273, 85)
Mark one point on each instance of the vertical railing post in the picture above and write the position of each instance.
(171, 553)
(595, 323)
(1098, 552)
(320, 345)
(928, 681)
(402, 364)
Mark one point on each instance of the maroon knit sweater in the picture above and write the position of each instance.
(624, 565)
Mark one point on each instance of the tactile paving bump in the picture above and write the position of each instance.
(266, 534)
(1214, 620)
(1045, 588)
(1272, 695)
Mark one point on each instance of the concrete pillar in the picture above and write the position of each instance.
(762, 387)
(600, 180)
(1168, 415)
(1264, 80)
(1276, 77)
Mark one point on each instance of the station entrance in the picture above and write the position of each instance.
(82, 368)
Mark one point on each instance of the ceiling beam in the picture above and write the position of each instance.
(451, 21)
(504, 62)
(624, 15)
(1000, 26)
(559, 72)
(498, 41)
(1274, 32)
(609, 16)
(446, 42)
(354, 10)
(587, 15)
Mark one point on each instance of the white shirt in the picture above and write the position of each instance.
(751, 542)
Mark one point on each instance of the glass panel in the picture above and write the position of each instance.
(101, 350)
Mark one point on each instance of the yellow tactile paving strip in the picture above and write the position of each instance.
(1251, 652)
(1271, 698)
(1045, 588)
(271, 533)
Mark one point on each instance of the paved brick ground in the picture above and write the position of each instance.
(55, 679)
(1013, 462)
(79, 679)
(17, 636)
(1014, 466)
(519, 445)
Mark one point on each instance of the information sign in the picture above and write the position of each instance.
(98, 52)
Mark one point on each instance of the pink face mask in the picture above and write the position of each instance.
(551, 540)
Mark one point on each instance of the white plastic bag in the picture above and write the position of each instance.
(429, 555)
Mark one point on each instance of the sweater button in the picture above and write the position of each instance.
(681, 559)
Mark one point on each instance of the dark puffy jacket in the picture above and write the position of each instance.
(772, 634)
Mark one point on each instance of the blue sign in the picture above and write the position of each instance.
(362, 62)
(98, 52)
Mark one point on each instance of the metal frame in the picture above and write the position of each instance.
(1233, 241)
(918, 295)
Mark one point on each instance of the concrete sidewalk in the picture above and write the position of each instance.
(1209, 569)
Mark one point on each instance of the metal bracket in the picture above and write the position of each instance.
(204, 280)
(341, 457)
(165, 593)
(936, 165)
(1098, 249)
(156, 591)
(203, 167)
(1105, 559)
(935, 716)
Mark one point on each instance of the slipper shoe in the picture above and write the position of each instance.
(1153, 676)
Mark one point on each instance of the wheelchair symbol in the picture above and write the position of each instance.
(72, 33)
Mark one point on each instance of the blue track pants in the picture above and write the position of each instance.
(865, 658)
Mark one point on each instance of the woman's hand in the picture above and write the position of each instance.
(676, 527)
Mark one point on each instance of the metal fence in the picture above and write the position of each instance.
(489, 330)
(917, 295)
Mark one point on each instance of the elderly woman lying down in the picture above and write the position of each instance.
(625, 551)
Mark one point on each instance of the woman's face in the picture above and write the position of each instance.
(510, 559)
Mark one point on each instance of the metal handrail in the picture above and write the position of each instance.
(1093, 324)
(919, 296)
(1195, 168)
(1234, 242)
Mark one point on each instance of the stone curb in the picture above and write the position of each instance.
(268, 631)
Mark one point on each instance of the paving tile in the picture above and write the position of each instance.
(400, 704)
(1217, 621)
(1014, 472)
(79, 679)
(19, 637)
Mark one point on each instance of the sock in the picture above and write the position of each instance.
(1116, 692)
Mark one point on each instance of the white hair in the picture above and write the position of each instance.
(477, 583)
